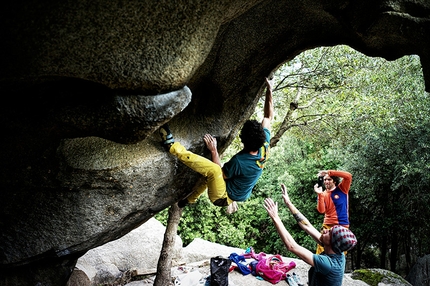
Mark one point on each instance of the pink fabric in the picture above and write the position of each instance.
(252, 254)
(270, 267)
(273, 269)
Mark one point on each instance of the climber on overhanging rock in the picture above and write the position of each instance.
(233, 181)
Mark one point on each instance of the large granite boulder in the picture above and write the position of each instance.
(86, 84)
(420, 272)
(138, 249)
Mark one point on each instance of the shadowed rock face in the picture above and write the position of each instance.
(86, 84)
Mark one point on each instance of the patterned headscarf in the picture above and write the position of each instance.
(342, 239)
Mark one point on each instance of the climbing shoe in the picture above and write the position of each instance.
(166, 136)
(182, 203)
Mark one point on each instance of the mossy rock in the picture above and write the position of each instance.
(375, 276)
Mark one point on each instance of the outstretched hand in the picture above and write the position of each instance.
(271, 207)
(210, 142)
(285, 195)
(269, 84)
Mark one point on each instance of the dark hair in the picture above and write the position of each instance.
(252, 135)
(336, 180)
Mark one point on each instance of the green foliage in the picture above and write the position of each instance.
(388, 155)
(211, 223)
(371, 256)
(391, 168)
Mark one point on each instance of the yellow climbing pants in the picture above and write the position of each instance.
(214, 182)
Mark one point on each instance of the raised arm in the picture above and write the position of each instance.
(300, 218)
(321, 195)
(289, 242)
(268, 106)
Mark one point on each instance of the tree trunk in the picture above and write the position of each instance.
(383, 249)
(394, 251)
(164, 265)
(407, 248)
(359, 251)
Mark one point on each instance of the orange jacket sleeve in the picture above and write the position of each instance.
(346, 179)
(321, 203)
